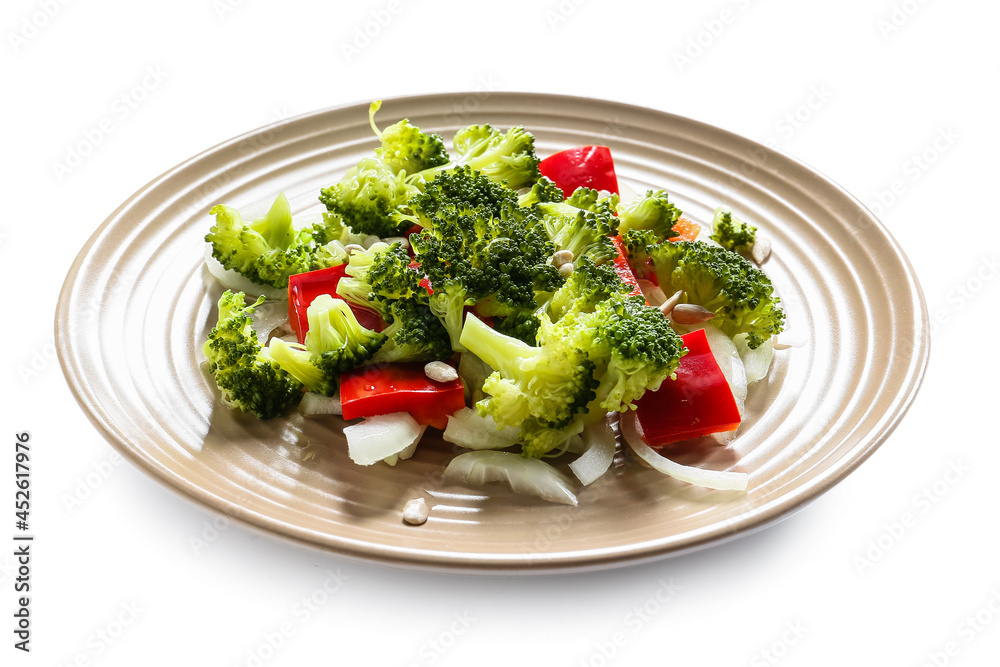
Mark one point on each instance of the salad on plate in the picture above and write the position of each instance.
(530, 309)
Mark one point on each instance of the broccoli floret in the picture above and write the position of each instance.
(501, 156)
(372, 199)
(586, 287)
(583, 230)
(732, 233)
(269, 249)
(447, 302)
(521, 324)
(538, 439)
(336, 339)
(546, 384)
(741, 295)
(632, 345)
(591, 200)
(405, 147)
(505, 157)
(544, 190)
(247, 378)
(414, 334)
(335, 343)
(377, 275)
(464, 190)
(653, 212)
(498, 263)
(298, 362)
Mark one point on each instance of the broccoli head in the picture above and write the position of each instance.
(406, 148)
(582, 230)
(544, 190)
(499, 263)
(462, 189)
(585, 288)
(336, 339)
(732, 233)
(546, 384)
(246, 377)
(652, 212)
(269, 249)
(632, 345)
(414, 333)
(505, 157)
(741, 295)
(372, 199)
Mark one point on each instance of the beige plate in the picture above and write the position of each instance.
(137, 305)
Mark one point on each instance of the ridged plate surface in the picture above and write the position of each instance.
(850, 295)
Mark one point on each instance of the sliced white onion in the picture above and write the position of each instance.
(467, 429)
(524, 475)
(627, 194)
(382, 436)
(238, 283)
(728, 358)
(599, 452)
(712, 479)
(269, 316)
(314, 405)
(756, 362)
(406, 453)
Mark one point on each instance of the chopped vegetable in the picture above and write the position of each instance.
(712, 479)
(528, 476)
(582, 166)
(697, 402)
(598, 453)
(377, 390)
(247, 377)
(739, 293)
(381, 437)
(466, 428)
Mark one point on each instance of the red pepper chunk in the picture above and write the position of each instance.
(622, 267)
(699, 402)
(304, 287)
(582, 166)
(401, 387)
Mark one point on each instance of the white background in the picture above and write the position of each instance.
(877, 95)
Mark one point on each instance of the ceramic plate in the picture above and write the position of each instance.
(853, 307)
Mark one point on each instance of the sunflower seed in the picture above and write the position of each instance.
(415, 511)
(566, 270)
(761, 250)
(439, 371)
(562, 257)
(690, 313)
(667, 306)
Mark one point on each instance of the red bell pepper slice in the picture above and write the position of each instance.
(402, 387)
(304, 287)
(622, 267)
(699, 402)
(589, 166)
